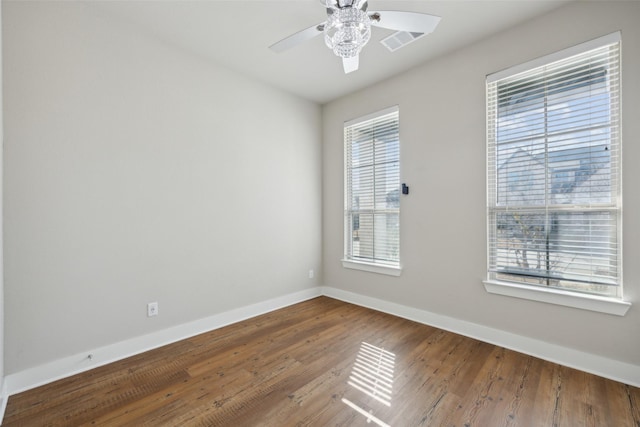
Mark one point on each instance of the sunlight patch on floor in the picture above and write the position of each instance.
(370, 417)
(372, 374)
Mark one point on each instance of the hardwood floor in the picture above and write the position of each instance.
(324, 362)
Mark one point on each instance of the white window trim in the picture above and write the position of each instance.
(389, 270)
(556, 56)
(379, 268)
(371, 116)
(601, 304)
(559, 297)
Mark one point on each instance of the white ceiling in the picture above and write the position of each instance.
(237, 33)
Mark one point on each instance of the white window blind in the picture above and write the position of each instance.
(553, 156)
(372, 193)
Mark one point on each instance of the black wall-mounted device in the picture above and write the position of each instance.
(405, 188)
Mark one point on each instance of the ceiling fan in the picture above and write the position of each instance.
(348, 28)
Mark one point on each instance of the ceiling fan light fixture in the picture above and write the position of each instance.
(347, 31)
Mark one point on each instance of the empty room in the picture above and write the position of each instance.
(320, 213)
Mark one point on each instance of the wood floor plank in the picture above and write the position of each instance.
(324, 362)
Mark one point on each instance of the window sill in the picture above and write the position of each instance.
(372, 268)
(559, 297)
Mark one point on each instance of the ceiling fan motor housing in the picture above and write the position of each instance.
(347, 30)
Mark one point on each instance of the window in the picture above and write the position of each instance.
(372, 192)
(553, 156)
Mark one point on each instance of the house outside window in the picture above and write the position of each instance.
(553, 178)
(372, 192)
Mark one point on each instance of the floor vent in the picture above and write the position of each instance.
(400, 39)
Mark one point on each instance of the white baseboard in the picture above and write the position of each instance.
(3, 398)
(597, 365)
(67, 366)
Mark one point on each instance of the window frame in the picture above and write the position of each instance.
(370, 265)
(554, 295)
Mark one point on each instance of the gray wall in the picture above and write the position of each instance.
(1, 222)
(443, 220)
(135, 173)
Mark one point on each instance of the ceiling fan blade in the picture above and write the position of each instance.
(413, 22)
(297, 38)
(350, 64)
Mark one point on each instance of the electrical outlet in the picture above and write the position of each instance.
(311, 274)
(152, 309)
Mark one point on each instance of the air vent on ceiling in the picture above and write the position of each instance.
(400, 39)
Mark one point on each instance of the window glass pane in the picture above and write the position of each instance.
(363, 238)
(362, 188)
(579, 170)
(521, 243)
(387, 234)
(521, 174)
(387, 185)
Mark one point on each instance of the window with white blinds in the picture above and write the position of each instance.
(553, 156)
(372, 193)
